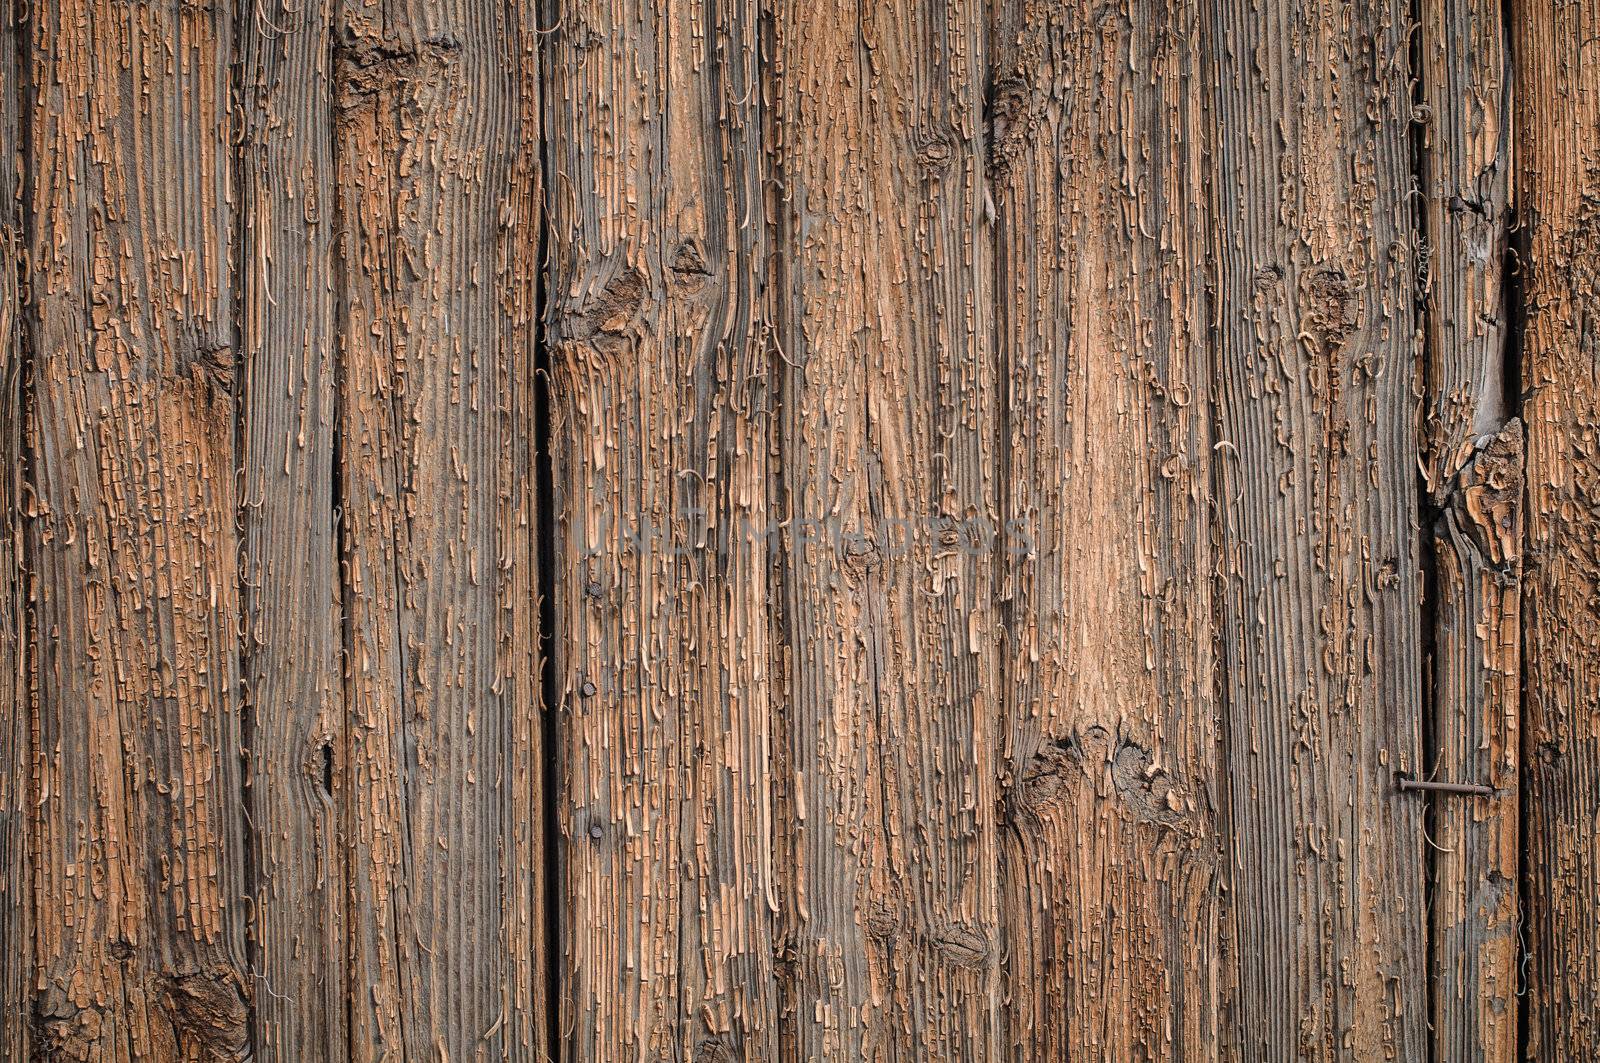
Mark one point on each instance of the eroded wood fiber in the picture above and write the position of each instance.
(437, 181)
(295, 741)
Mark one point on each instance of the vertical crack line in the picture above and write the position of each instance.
(544, 546)
(337, 370)
(1218, 450)
(1514, 308)
(780, 306)
(1429, 513)
(249, 884)
(17, 383)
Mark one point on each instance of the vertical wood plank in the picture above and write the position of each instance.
(1558, 185)
(131, 536)
(1110, 861)
(438, 182)
(661, 439)
(1317, 382)
(294, 698)
(1472, 472)
(15, 703)
(889, 471)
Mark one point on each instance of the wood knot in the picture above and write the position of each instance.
(1011, 120)
(1329, 308)
(936, 151)
(604, 319)
(210, 1014)
(1112, 764)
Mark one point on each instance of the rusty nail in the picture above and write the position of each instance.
(595, 830)
(592, 590)
(1406, 783)
(587, 690)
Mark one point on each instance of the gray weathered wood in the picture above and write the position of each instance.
(889, 474)
(1558, 185)
(1316, 456)
(294, 698)
(437, 182)
(1472, 475)
(16, 807)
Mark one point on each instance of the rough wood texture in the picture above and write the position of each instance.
(1022, 483)
(1558, 181)
(1316, 456)
(890, 498)
(1110, 854)
(1472, 477)
(294, 700)
(437, 185)
(138, 948)
(16, 904)
(661, 439)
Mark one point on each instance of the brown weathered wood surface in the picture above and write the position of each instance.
(1557, 90)
(1110, 859)
(784, 530)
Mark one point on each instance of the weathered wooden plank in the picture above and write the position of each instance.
(1472, 470)
(294, 697)
(1316, 462)
(437, 182)
(662, 431)
(889, 474)
(1557, 78)
(1111, 858)
(131, 542)
(15, 717)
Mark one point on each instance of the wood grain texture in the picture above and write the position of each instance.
(138, 948)
(661, 441)
(1317, 383)
(16, 805)
(294, 695)
(437, 181)
(890, 501)
(1111, 864)
(1472, 479)
(1558, 189)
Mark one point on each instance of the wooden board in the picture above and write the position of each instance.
(661, 438)
(16, 901)
(294, 723)
(138, 877)
(1113, 899)
(1321, 559)
(1472, 479)
(1558, 138)
(889, 473)
(438, 184)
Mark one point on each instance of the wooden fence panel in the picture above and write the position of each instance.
(1472, 480)
(1558, 177)
(662, 440)
(294, 721)
(1321, 577)
(138, 878)
(437, 183)
(1110, 854)
(789, 530)
(889, 474)
(16, 899)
